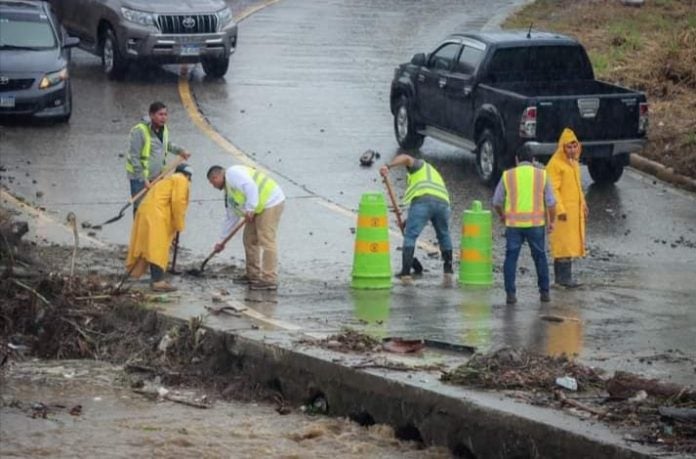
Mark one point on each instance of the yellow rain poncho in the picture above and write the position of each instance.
(567, 240)
(161, 214)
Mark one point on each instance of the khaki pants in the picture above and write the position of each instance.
(260, 245)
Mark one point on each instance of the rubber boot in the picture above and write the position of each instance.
(563, 273)
(417, 267)
(447, 262)
(557, 272)
(571, 283)
(406, 264)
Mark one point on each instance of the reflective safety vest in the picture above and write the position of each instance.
(524, 196)
(147, 147)
(426, 181)
(236, 198)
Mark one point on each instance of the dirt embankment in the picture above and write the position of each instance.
(651, 48)
(47, 312)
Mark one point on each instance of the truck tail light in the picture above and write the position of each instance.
(528, 122)
(643, 117)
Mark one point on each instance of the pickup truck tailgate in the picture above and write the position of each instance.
(594, 109)
(597, 117)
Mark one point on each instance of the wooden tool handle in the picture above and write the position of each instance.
(234, 231)
(161, 175)
(392, 198)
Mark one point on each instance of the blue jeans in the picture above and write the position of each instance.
(423, 210)
(536, 238)
(136, 185)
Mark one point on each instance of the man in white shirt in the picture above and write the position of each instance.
(254, 196)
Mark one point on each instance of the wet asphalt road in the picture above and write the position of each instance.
(306, 94)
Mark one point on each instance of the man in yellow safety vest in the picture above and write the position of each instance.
(149, 147)
(521, 199)
(254, 196)
(429, 201)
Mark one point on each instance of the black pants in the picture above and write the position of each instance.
(156, 273)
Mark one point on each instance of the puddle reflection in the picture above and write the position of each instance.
(563, 330)
(372, 307)
(476, 312)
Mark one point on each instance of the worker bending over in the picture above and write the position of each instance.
(254, 196)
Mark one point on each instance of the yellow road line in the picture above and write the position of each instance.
(204, 125)
(253, 9)
(197, 117)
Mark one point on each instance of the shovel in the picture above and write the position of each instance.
(199, 272)
(417, 266)
(172, 269)
(142, 192)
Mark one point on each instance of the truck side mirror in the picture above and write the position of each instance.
(418, 59)
(71, 42)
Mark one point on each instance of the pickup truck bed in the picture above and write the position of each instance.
(493, 92)
(588, 88)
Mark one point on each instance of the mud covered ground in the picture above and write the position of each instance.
(651, 48)
(141, 383)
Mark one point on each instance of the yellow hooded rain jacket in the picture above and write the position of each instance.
(568, 237)
(161, 214)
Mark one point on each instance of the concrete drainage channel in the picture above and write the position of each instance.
(472, 424)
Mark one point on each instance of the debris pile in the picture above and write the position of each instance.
(653, 411)
(349, 340)
(509, 368)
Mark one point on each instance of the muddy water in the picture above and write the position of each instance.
(113, 421)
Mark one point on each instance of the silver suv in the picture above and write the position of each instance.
(159, 31)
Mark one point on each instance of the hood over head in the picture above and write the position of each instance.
(567, 136)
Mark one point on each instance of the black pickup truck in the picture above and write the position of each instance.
(493, 92)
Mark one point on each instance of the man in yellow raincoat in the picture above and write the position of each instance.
(162, 213)
(568, 239)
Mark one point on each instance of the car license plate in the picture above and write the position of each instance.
(190, 50)
(7, 101)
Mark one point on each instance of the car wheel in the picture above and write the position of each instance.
(404, 126)
(113, 64)
(488, 157)
(604, 171)
(215, 67)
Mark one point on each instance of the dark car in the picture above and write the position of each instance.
(34, 60)
(492, 92)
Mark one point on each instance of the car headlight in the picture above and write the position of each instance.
(224, 16)
(139, 17)
(53, 78)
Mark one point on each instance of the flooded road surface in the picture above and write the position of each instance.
(113, 421)
(307, 93)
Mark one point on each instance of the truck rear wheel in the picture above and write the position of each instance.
(605, 171)
(215, 67)
(488, 153)
(405, 128)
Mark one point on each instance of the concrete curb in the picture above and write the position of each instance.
(662, 172)
(472, 424)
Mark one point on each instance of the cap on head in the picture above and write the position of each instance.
(184, 169)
